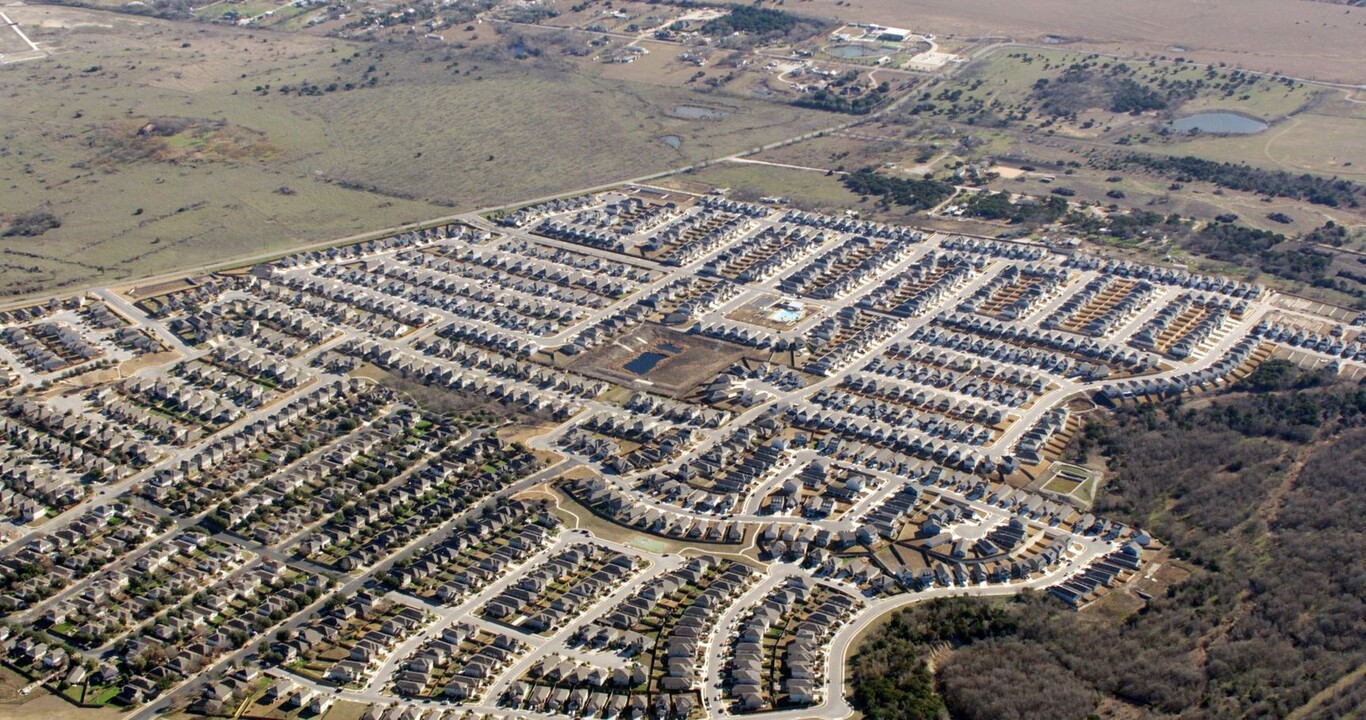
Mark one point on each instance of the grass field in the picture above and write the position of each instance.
(426, 129)
(1329, 139)
(803, 188)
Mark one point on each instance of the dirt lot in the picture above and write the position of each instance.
(276, 150)
(1310, 39)
(690, 360)
(40, 704)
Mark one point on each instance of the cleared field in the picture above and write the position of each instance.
(278, 150)
(803, 188)
(10, 42)
(1317, 40)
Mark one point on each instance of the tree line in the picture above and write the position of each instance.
(1332, 192)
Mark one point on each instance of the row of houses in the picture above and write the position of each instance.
(1179, 277)
(443, 489)
(532, 603)
(123, 595)
(412, 239)
(788, 671)
(854, 226)
(49, 347)
(942, 426)
(464, 659)
(921, 287)
(848, 266)
(281, 423)
(994, 382)
(760, 257)
(1025, 287)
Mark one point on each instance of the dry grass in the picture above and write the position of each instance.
(413, 146)
(803, 188)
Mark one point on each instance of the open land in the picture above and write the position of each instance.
(261, 165)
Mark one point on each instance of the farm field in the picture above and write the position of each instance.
(1317, 40)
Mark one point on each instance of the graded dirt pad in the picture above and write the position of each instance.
(690, 360)
(275, 150)
(1309, 39)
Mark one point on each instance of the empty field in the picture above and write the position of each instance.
(803, 188)
(297, 138)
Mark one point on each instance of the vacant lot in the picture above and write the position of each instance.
(682, 361)
(263, 140)
(803, 188)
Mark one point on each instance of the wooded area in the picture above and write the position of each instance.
(913, 193)
(1261, 494)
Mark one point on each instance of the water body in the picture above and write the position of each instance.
(670, 348)
(672, 141)
(644, 362)
(786, 316)
(1226, 123)
(697, 112)
(854, 50)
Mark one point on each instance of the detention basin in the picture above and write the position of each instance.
(644, 362)
(853, 51)
(697, 112)
(1224, 123)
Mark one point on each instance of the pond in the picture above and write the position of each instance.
(697, 112)
(644, 362)
(1219, 122)
(672, 141)
(854, 50)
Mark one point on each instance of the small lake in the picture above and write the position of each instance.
(644, 362)
(854, 51)
(1219, 122)
(697, 112)
(672, 141)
